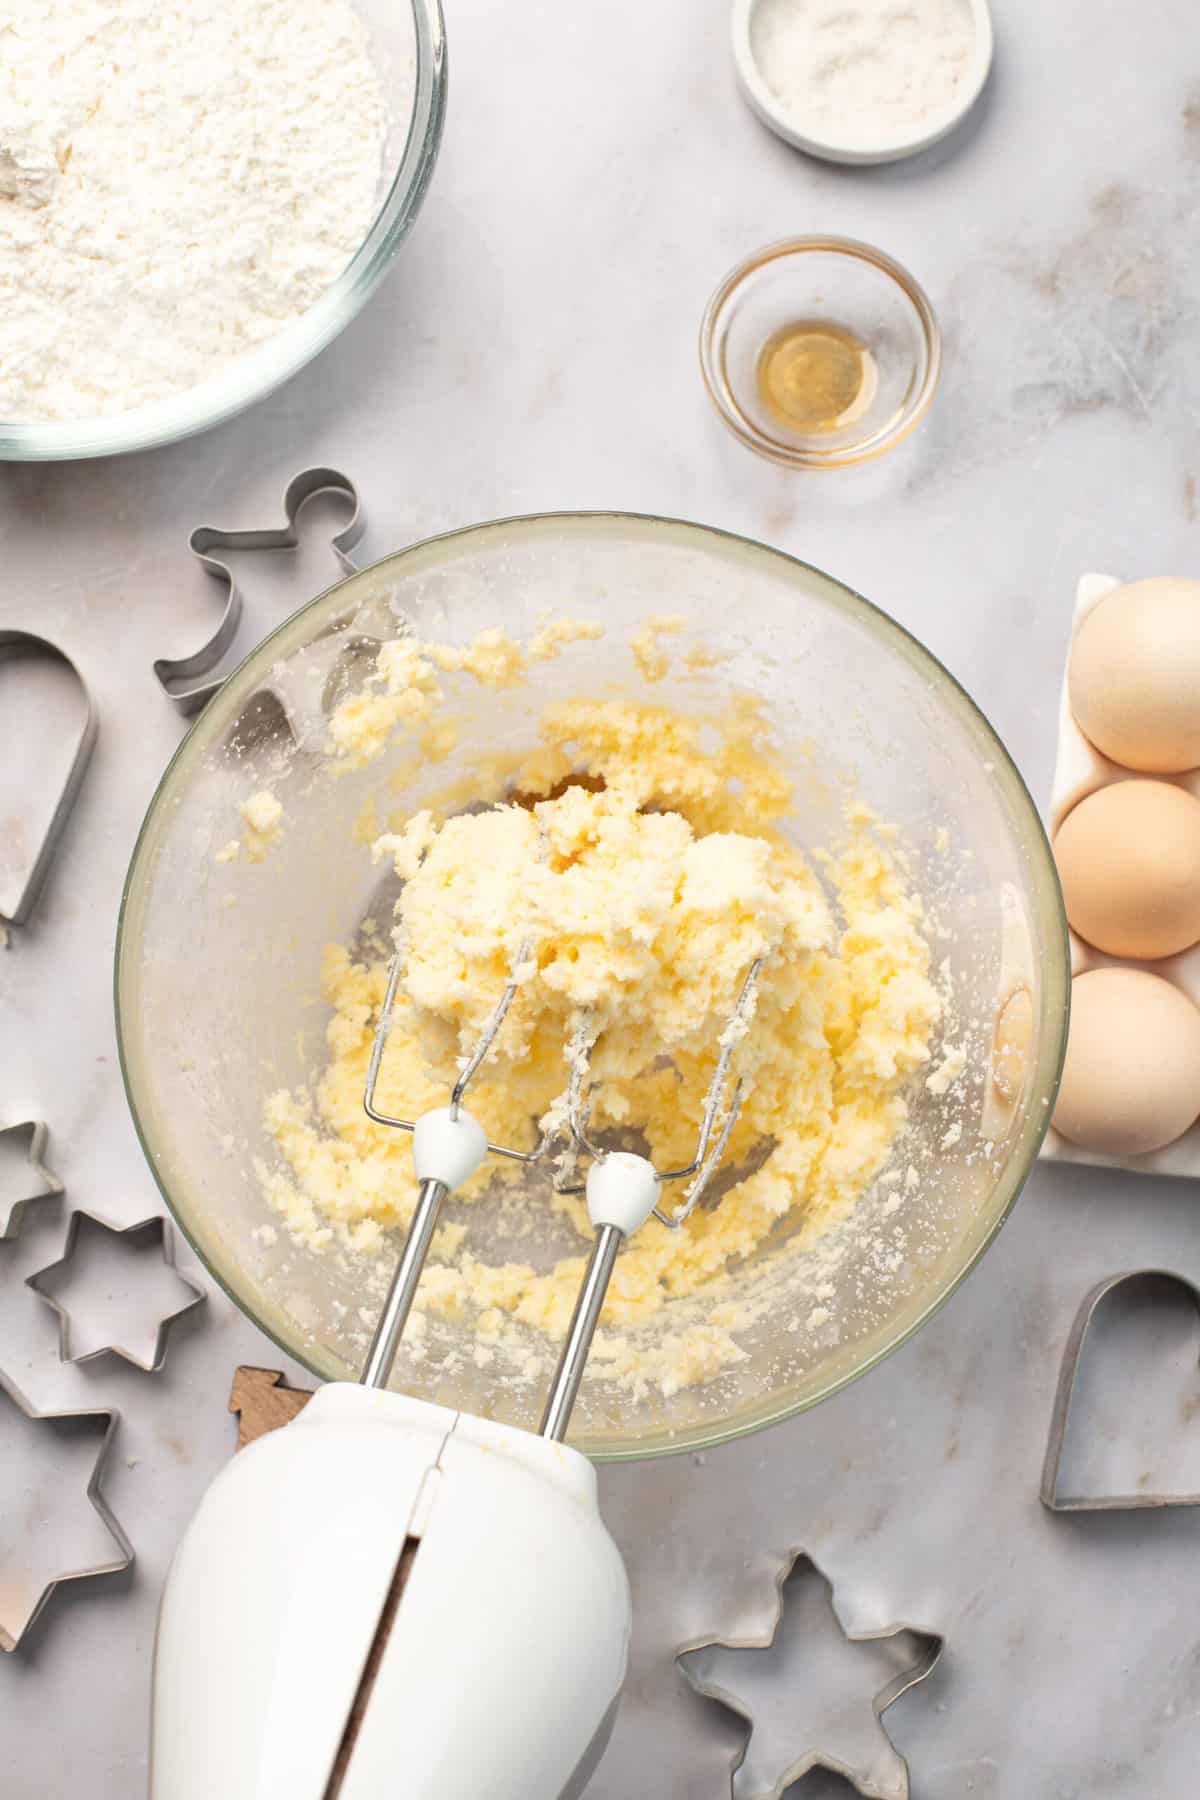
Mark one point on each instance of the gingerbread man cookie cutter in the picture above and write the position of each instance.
(188, 681)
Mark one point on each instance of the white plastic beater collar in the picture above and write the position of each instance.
(621, 1190)
(448, 1148)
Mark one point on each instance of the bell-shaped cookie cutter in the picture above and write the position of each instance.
(14, 644)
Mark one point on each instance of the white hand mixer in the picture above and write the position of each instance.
(390, 1598)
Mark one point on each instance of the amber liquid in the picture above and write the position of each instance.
(815, 375)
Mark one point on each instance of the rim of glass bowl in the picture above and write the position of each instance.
(260, 371)
(811, 456)
(1051, 922)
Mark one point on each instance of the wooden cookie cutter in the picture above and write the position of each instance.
(263, 1402)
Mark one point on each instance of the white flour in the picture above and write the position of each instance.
(178, 180)
(862, 71)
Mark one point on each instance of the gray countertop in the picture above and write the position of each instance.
(535, 348)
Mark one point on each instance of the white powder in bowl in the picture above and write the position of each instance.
(863, 72)
(178, 180)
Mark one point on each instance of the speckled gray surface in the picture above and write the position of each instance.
(535, 348)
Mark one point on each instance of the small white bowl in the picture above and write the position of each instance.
(787, 126)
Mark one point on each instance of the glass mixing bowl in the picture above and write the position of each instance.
(216, 976)
(409, 36)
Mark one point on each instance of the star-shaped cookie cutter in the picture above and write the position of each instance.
(14, 644)
(188, 681)
(50, 1186)
(13, 1628)
(1051, 1496)
(145, 1235)
(915, 1655)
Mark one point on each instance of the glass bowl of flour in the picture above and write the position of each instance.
(729, 681)
(195, 200)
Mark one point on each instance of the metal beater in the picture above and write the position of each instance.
(613, 1174)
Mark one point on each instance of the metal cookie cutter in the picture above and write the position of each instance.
(23, 1591)
(14, 644)
(147, 1234)
(711, 1667)
(1051, 1497)
(49, 1186)
(187, 681)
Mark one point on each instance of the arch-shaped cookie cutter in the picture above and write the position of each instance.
(15, 644)
(1051, 1496)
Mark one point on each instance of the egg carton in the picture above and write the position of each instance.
(1080, 770)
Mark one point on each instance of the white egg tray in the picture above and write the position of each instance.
(1079, 770)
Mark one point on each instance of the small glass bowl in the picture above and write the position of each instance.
(410, 34)
(836, 281)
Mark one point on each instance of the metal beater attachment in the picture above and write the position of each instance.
(622, 1188)
(618, 1177)
(707, 1158)
(448, 1146)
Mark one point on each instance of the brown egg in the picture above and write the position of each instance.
(1131, 1082)
(1134, 676)
(1129, 862)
